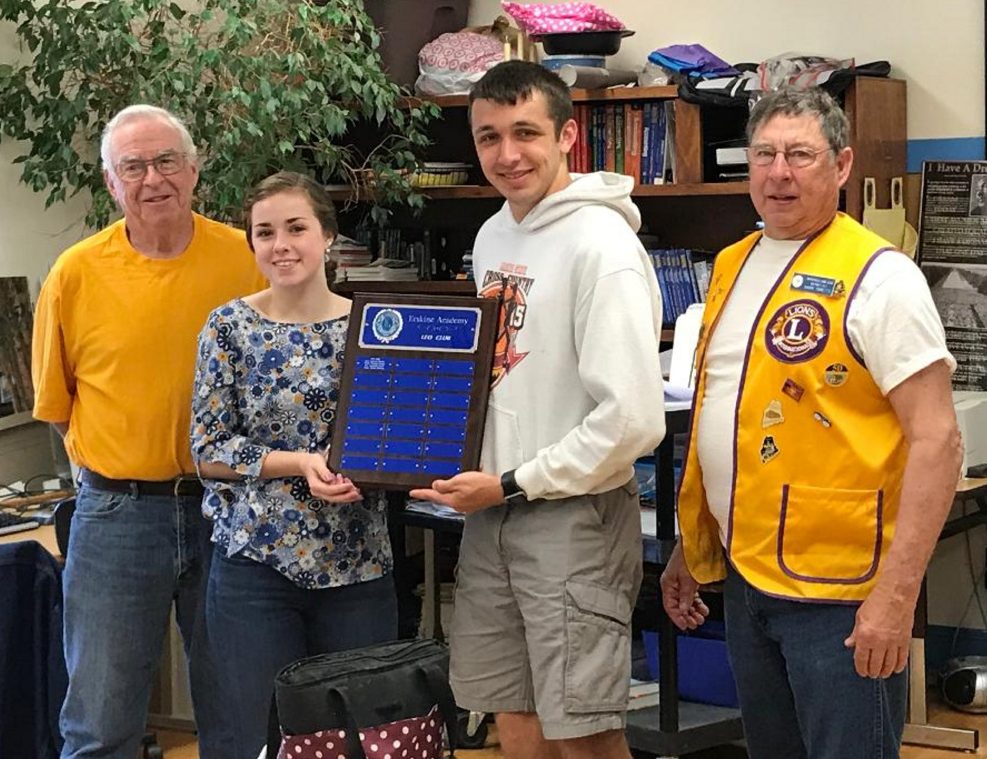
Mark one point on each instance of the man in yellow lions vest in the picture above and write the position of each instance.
(823, 453)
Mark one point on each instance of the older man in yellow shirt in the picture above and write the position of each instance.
(114, 354)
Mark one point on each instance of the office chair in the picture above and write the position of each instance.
(62, 513)
(32, 669)
(62, 519)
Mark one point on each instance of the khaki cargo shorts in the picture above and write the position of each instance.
(541, 623)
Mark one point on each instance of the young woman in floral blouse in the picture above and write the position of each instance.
(302, 562)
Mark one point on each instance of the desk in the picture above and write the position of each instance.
(917, 728)
(431, 598)
(38, 499)
(45, 535)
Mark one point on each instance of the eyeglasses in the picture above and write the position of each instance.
(166, 164)
(796, 158)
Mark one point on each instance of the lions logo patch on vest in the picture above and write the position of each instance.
(797, 332)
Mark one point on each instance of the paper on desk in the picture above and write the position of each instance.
(649, 522)
(675, 392)
(434, 509)
(684, 344)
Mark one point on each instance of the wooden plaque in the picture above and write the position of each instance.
(413, 399)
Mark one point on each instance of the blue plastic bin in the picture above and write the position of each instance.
(705, 676)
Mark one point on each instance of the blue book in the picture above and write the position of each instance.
(646, 144)
(657, 152)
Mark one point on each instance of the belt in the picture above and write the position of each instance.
(183, 485)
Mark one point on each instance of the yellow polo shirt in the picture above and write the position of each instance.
(115, 345)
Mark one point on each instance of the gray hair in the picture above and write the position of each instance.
(793, 101)
(150, 112)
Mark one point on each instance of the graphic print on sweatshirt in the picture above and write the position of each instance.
(510, 286)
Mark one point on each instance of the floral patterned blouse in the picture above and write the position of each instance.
(261, 386)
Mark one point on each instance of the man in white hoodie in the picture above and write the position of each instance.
(550, 563)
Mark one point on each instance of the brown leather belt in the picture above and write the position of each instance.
(184, 485)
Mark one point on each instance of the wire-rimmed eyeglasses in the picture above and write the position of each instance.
(797, 158)
(166, 164)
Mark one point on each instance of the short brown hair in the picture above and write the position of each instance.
(510, 81)
(292, 181)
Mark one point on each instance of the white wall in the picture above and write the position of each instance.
(938, 47)
(31, 237)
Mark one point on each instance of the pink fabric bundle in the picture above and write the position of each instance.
(461, 51)
(543, 18)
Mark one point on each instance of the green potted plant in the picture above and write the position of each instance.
(262, 84)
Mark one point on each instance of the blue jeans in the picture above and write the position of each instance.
(800, 696)
(259, 622)
(129, 559)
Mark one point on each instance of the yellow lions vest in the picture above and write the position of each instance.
(818, 452)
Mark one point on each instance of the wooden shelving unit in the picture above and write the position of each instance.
(578, 96)
(465, 192)
(691, 212)
(433, 287)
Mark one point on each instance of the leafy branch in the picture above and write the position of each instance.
(262, 84)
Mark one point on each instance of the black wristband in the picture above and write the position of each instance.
(510, 487)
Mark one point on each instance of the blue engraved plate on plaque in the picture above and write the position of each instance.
(421, 328)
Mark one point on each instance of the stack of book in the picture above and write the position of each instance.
(683, 279)
(381, 270)
(348, 253)
(636, 139)
(643, 693)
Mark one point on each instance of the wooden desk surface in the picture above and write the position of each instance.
(45, 535)
(970, 484)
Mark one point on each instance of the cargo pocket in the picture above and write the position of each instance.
(598, 652)
(830, 536)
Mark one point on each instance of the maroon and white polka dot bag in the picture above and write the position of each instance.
(406, 739)
(389, 701)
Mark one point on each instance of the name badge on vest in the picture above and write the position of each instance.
(810, 283)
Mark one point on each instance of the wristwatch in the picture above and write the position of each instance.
(510, 487)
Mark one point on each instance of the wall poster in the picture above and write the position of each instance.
(952, 251)
(16, 390)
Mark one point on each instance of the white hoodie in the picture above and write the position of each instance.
(577, 394)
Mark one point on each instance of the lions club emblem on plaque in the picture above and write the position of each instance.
(797, 332)
(387, 324)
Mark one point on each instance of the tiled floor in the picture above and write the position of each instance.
(183, 745)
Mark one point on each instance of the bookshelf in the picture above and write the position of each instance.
(689, 213)
(436, 287)
(465, 192)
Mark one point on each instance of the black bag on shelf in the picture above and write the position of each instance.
(364, 703)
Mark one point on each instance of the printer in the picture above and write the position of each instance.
(971, 416)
